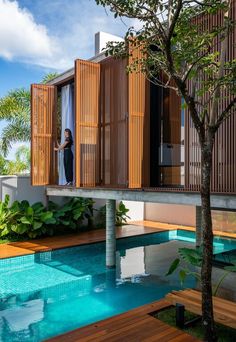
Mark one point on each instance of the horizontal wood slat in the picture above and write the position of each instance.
(43, 134)
(87, 130)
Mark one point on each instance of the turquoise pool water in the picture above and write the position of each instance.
(47, 294)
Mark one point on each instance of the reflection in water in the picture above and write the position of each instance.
(66, 289)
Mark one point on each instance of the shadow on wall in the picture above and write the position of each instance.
(168, 213)
(19, 188)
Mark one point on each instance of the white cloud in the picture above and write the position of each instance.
(66, 31)
(21, 37)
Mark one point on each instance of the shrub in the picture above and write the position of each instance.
(73, 213)
(121, 215)
(22, 219)
(32, 221)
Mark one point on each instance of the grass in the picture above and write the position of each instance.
(224, 333)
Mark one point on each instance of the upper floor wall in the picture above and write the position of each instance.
(128, 132)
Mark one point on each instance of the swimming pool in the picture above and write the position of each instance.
(49, 293)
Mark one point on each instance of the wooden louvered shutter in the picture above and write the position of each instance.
(139, 136)
(87, 112)
(43, 134)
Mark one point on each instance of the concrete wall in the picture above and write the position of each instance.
(19, 188)
(168, 213)
(101, 40)
(136, 210)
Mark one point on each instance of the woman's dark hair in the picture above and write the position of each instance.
(70, 135)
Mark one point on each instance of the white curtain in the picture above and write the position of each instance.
(67, 121)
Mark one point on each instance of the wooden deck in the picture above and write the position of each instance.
(224, 310)
(55, 242)
(170, 226)
(136, 325)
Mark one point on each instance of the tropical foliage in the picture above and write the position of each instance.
(21, 163)
(189, 263)
(15, 110)
(121, 215)
(73, 213)
(23, 219)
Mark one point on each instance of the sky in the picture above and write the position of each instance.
(41, 36)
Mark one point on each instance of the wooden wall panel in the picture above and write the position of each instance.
(43, 134)
(139, 122)
(114, 131)
(224, 154)
(87, 126)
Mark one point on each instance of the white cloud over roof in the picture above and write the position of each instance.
(52, 36)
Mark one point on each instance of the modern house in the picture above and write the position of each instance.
(133, 140)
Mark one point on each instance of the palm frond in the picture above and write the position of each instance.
(14, 132)
(50, 76)
(15, 104)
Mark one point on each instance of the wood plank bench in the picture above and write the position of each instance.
(224, 310)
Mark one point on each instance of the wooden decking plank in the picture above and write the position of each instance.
(196, 296)
(224, 311)
(132, 326)
(115, 334)
(218, 303)
(140, 333)
(94, 336)
(71, 240)
(184, 338)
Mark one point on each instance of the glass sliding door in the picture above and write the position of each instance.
(166, 155)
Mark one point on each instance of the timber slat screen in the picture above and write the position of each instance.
(43, 134)
(224, 154)
(87, 125)
(139, 124)
(114, 122)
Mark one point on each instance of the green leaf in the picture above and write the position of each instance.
(6, 200)
(77, 215)
(65, 223)
(24, 205)
(191, 256)
(20, 228)
(46, 216)
(52, 220)
(5, 231)
(182, 276)
(37, 207)
(15, 206)
(173, 266)
(29, 211)
(58, 214)
(25, 220)
(37, 225)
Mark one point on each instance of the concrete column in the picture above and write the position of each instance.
(110, 233)
(198, 226)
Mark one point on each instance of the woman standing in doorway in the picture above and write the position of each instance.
(68, 155)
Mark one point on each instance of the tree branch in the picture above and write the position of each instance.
(226, 113)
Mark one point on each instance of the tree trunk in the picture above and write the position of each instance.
(198, 226)
(207, 239)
